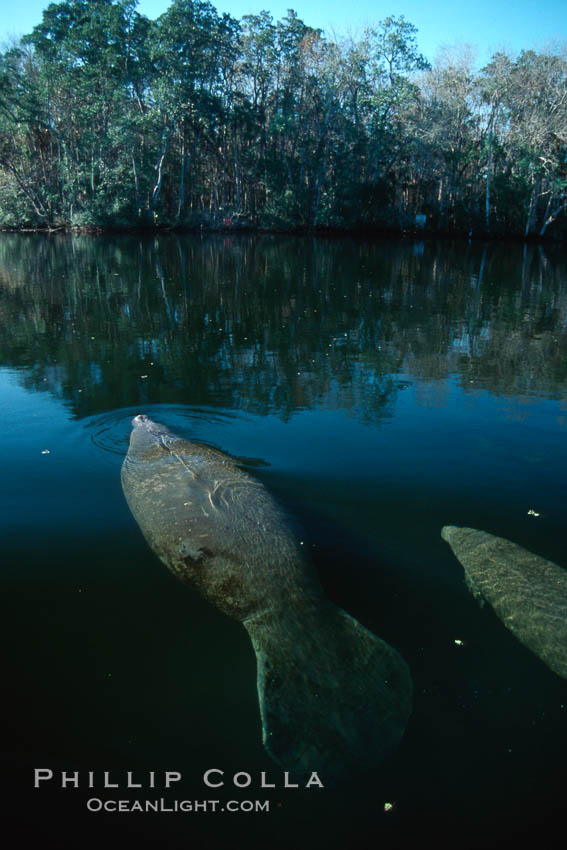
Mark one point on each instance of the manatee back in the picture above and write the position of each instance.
(527, 592)
(215, 527)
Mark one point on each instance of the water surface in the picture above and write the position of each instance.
(380, 390)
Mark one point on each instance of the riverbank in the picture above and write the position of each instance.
(320, 232)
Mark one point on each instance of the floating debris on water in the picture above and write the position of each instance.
(388, 807)
(531, 512)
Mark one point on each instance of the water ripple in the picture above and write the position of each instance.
(110, 431)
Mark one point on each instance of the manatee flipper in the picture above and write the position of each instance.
(527, 592)
(333, 696)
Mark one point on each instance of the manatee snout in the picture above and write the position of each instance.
(143, 423)
(140, 419)
(146, 436)
(459, 534)
(446, 531)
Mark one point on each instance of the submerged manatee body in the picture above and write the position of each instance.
(528, 593)
(332, 695)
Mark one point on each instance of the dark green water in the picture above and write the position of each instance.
(380, 390)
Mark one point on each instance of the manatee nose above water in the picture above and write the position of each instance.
(332, 695)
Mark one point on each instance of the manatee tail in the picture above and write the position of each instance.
(333, 696)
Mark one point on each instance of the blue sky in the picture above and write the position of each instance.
(487, 24)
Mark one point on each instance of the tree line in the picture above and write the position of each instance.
(109, 119)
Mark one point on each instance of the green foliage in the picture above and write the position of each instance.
(110, 120)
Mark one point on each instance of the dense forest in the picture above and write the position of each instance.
(108, 119)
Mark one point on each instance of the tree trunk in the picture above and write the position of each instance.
(181, 201)
(530, 211)
(157, 188)
(236, 171)
(549, 218)
(488, 182)
(136, 184)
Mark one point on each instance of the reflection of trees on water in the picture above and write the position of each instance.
(277, 324)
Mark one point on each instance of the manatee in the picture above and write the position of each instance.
(528, 593)
(333, 697)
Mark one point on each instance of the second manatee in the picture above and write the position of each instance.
(528, 593)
